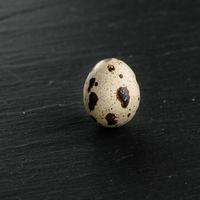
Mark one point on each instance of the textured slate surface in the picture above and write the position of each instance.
(50, 148)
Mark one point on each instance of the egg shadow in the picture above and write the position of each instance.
(122, 150)
(128, 140)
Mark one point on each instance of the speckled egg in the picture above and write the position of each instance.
(111, 94)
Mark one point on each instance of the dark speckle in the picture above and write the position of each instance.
(138, 98)
(111, 68)
(93, 118)
(92, 101)
(123, 96)
(96, 84)
(128, 114)
(121, 76)
(111, 119)
(91, 84)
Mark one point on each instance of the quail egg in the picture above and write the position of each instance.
(111, 94)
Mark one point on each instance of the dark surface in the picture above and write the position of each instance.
(50, 148)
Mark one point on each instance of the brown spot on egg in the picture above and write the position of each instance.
(121, 76)
(123, 96)
(96, 84)
(128, 114)
(92, 101)
(138, 98)
(111, 68)
(91, 84)
(111, 119)
(93, 118)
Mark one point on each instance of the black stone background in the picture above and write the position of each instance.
(50, 148)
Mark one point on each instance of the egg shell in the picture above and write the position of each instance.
(111, 94)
